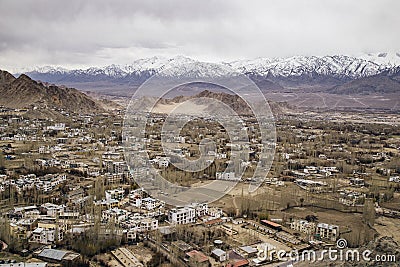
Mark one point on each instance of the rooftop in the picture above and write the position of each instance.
(53, 254)
(218, 252)
(197, 256)
(248, 249)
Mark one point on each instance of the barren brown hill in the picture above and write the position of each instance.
(233, 101)
(23, 92)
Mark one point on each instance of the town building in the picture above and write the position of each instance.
(327, 231)
(117, 194)
(303, 226)
(182, 215)
(46, 236)
(219, 255)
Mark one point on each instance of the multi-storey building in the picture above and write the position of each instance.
(303, 226)
(117, 194)
(115, 215)
(46, 236)
(327, 231)
(182, 215)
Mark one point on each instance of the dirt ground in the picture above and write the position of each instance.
(141, 253)
(388, 227)
(343, 220)
(9, 256)
(108, 259)
(393, 203)
(268, 196)
(351, 225)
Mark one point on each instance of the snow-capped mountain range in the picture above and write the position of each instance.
(337, 65)
(314, 73)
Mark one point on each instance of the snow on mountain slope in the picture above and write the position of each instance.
(175, 66)
(337, 66)
(305, 65)
(156, 63)
(390, 59)
(50, 70)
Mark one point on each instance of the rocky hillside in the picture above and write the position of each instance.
(23, 92)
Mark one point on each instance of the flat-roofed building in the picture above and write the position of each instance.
(115, 215)
(57, 256)
(117, 194)
(303, 226)
(328, 231)
(273, 225)
(197, 258)
(219, 255)
(248, 251)
(44, 236)
(183, 215)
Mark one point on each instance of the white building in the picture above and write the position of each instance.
(179, 139)
(183, 215)
(311, 170)
(230, 176)
(219, 255)
(43, 150)
(200, 208)
(311, 185)
(303, 226)
(221, 155)
(149, 203)
(328, 231)
(52, 209)
(111, 155)
(135, 200)
(214, 212)
(115, 215)
(136, 196)
(117, 194)
(57, 127)
(107, 203)
(163, 162)
(146, 224)
(44, 186)
(119, 167)
(357, 182)
(330, 169)
(131, 235)
(46, 236)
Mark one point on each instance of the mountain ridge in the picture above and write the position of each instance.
(306, 73)
(336, 64)
(337, 74)
(37, 97)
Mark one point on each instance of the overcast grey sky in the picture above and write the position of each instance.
(95, 33)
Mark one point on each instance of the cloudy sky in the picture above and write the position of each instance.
(96, 33)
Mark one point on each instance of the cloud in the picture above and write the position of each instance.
(86, 33)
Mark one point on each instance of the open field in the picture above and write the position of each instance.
(388, 227)
(336, 102)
